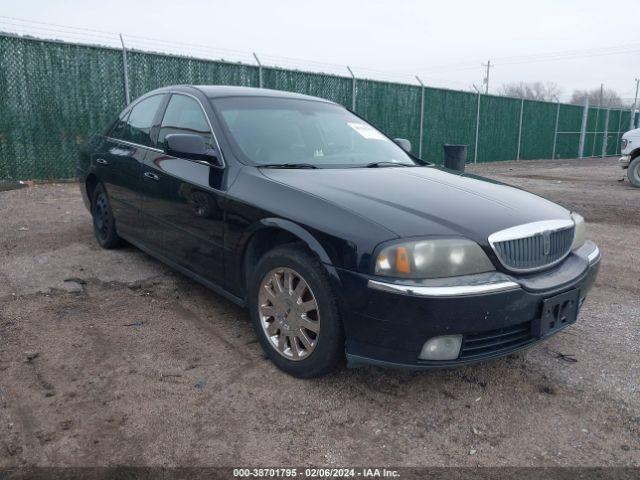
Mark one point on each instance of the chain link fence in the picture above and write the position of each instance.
(54, 95)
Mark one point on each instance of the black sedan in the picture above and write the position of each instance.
(336, 238)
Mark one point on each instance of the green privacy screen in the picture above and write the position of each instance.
(331, 87)
(450, 117)
(393, 108)
(148, 71)
(54, 95)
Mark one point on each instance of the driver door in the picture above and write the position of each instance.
(182, 203)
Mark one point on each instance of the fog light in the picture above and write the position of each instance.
(446, 347)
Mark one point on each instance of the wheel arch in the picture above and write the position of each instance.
(269, 233)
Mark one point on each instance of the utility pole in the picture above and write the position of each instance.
(486, 79)
(633, 109)
(601, 95)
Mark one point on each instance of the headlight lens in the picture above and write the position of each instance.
(580, 231)
(624, 143)
(434, 258)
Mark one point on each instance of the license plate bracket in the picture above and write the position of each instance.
(557, 313)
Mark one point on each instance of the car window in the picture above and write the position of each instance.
(184, 115)
(138, 127)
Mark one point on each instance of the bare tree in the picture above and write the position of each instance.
(610, 98)
(546, 91)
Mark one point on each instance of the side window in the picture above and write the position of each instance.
(184, 115)
(140, 121)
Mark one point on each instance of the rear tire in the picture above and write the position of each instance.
(104, 225)
(633, 172)
(295, 312)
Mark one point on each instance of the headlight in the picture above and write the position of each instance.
(623, 144)
(434, 258)
(580, 231)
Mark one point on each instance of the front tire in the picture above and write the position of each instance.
(633, 172)
(104, 225)
(295, 312)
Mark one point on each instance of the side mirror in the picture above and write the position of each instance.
(192, 147)
(404, 144)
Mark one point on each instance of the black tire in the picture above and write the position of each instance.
(104, 225)
(633, 172)
(328, 352)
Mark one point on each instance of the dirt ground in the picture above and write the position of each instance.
(110, 358)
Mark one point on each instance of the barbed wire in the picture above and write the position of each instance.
(112, 39)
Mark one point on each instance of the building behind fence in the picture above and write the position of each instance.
(54, 95)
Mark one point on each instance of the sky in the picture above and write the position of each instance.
(575, 44)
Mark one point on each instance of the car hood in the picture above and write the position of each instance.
(632, 133)
(417, 201)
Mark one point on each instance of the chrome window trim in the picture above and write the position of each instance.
(215, 138)
(527, 230)
(137, 145)
(444, 291)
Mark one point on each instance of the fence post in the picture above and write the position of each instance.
(632, 120)
(421, 115)
(353, 90)
(605, 134)
(595, 132)
(259, 70)
(520, 128)
(127, 96)
(583, 128)
(555, 131)
(618, 136)
(475, 149)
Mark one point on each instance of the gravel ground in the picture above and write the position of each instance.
(110, 358)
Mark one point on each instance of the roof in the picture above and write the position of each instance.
(218, 91)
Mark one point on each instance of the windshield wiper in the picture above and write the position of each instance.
(386, 164)
(288, 165)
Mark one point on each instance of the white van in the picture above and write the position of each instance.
(630, 159)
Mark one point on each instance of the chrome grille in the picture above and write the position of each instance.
(533, 246)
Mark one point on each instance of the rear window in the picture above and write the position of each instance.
(138, 126)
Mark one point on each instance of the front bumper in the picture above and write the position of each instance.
(388, 322)
(624, 161)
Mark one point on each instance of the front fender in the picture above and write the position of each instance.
(295, 230)
(299, 232)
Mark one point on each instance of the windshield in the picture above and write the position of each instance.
(290, 132)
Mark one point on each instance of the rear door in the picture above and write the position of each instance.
(182, 204)
(119, 163)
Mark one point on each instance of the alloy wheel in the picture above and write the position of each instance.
(289, 313)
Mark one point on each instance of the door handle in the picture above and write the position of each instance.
(102, 161)
(152, 176)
